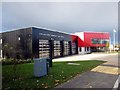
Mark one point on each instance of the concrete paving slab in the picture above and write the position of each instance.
(106, 69)
(85, 57)
(91, 79)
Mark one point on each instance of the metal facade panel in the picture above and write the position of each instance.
(42, 34)
(51, 35)
(25, 42)
(99, 35)
(88, 36)
(17, 43)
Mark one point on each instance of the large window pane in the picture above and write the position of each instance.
(66, 48)
(74, 48)
(56, 48)
(99, 41)
(44, 48)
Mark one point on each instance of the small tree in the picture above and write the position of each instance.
(107, 45)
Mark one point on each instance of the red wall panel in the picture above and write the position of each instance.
(73, 37)
(89, 35)
(88, 39)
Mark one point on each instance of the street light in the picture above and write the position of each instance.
(114, 31)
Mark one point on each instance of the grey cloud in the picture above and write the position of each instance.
(68, 16)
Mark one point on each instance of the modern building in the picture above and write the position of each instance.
(35, 42)
(92, 41)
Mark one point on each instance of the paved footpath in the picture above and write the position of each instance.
(103, 76)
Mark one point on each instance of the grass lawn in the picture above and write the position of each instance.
(59, 73)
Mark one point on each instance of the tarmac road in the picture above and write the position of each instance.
(111, 59)
(103, 76)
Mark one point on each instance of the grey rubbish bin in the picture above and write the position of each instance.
(40, 67)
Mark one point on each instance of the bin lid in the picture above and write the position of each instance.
(39, 58)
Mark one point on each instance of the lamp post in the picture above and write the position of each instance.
(114, 31)
(110, 44)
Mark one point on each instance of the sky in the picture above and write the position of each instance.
(68, 17)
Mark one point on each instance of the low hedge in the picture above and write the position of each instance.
(14, 61)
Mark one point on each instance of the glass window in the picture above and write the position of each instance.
(94, 41)
(66, 48)
(73, 48)
(56, 48)
(80, 49)
(44, 48)
(19, 38)
(87, 48)
(99, 41)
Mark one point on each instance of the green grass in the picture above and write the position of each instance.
(59, 73)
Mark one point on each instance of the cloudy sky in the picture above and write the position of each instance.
(63, 16)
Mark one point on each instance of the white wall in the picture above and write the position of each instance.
(80, 35)
(83, 50)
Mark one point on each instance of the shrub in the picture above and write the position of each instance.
(15, 61)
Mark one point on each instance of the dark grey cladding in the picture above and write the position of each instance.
(24, 43)
(17, 43)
